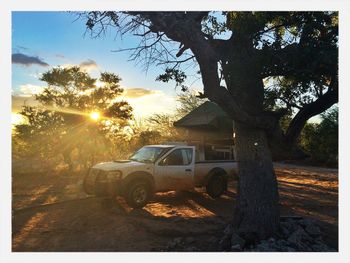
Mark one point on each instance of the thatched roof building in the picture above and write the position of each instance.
(210, 128)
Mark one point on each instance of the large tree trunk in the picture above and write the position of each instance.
(256, 213)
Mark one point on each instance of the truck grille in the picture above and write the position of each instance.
(89, 181)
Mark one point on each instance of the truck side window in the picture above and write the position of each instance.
(187, 155)
(174, 158)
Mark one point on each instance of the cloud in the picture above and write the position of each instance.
(35, 75)
(133, 93)
(60, 56)
(88, 65)
(28, 90)
(25, 60)
(148, 102)
(22, 47)
(18, 102)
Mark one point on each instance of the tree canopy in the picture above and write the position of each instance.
(62, 123)
(295, 53)
(258, 67)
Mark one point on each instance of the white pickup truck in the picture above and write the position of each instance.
(157, 168)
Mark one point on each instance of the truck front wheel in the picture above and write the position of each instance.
(216, 186)
(138, 194)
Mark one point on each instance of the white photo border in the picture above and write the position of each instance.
(7, 6)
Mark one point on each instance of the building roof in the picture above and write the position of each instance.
(207, 116)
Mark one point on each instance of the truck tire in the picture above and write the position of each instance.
(216, 186)
(138, 194)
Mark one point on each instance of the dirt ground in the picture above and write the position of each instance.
(51, 213)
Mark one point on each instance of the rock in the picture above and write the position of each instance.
(236, 248)
(285, 232)
(313, 230)
(299, 235)
(290, 226)
(320, 248)
(296, 235)
(285, 229)
(306, 222)
(237, 240)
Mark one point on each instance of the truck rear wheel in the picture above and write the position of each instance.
(216, 186)
(138, 194)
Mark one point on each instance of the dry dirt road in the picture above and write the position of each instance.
(51, 213)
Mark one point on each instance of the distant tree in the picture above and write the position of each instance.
(188, 101)
(39, 136)
(163, 123)
(62, 122)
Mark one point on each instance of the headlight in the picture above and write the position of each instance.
(114, 175)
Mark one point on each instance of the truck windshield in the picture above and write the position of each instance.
(149, 154)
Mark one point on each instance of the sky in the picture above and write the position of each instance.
(42, 40)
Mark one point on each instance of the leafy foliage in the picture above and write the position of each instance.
(321, 140)
(175, 75)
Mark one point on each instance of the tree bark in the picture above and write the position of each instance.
(256, 214)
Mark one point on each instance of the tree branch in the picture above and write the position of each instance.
(312, 109)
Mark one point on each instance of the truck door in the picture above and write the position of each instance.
(175, 171)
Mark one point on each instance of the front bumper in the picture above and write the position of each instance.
(97, 183)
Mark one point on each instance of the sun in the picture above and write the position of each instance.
(95, 115)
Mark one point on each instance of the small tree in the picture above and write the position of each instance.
(62, 123)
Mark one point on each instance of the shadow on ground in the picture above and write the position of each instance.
(53, 214)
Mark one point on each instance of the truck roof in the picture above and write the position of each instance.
(164, 145)
(160, 145)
